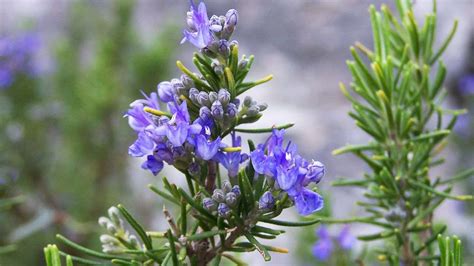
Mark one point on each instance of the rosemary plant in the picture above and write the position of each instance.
(185, 124)
(398, 87)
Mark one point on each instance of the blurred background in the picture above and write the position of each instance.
(69, 69)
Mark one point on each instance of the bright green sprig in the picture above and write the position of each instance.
(395, 96)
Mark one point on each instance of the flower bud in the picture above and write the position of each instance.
(112, 249)
(209, 204)
(187, 81)
(243, 64)
(114, 215)
(223, 48)
(203, 99)
(315, 172)
(111, 228)
(166, 91)
(224, 96)
(133, 240)
(266, 201)
(218, 195)
(107, 239)
(205, 113)
(223, 210)
(236, 190)
(232, 18)
(233, 43)
(179, 87)
(217, 110)
(226, 186)
(218, 69)
(208, 52)
(231, 110)
(262, 107)
(193, 95)
(215, 24)
(252, 111)
(247, 101)
(194, 169)
(231, 199)
(104, 221)
(236, 101)
(212, 96)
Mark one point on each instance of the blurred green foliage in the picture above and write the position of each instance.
(71, 156)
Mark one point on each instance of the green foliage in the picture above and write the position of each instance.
(73, 137)
(398, 88)
(450, 249)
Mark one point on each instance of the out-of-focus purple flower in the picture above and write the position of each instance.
(466, 85)
(291, 171)
(232, 160)
(198, 32)
(345, 239)
(463, 125)
(16, 54)
(323, 249)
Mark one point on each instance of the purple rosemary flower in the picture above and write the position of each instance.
(178, 128)
(162, 138)
(206, 148)
(16, 54)
(324, 247)
(153, 164)
(198, 32)
(138, 119)
(291, 171)
(232, 160)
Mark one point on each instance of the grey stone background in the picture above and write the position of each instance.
(304, 44)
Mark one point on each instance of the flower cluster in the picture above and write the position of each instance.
(324, 247)
(169, 137)
(118, 238)
(291, 172)
(223, 200)
(15, 57)
(212, 34)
